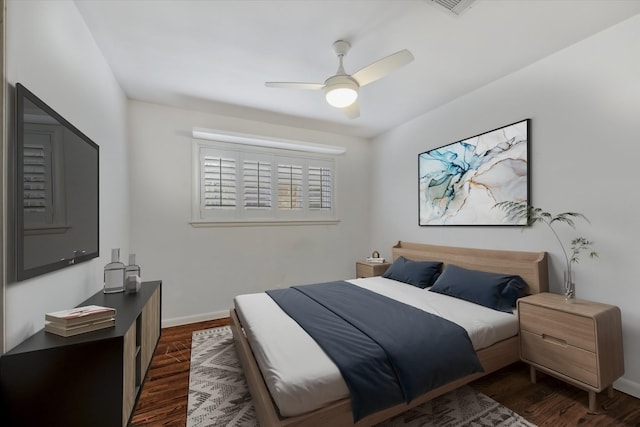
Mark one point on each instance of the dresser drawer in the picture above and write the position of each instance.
(553, 353)
(577, 331)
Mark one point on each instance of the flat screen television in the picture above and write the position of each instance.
(56, 197)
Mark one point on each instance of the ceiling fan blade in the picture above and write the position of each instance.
(382, 67)
(352, 111)
(295, 85)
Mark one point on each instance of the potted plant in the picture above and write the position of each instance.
(521, 210)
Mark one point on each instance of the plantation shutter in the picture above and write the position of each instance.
(233, 185)
(290, 185)
(256, 178)
(219, 182)
(320, 188)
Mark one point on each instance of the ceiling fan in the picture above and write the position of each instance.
(341, 89)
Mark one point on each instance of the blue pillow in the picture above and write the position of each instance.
(516, 288)
(496, 291)
(417, 273)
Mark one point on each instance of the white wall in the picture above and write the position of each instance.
(584, 104)
(51, 52)
(202, 269)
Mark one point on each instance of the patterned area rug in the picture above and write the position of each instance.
(218, 394)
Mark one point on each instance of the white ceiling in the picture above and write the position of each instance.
(215, 55)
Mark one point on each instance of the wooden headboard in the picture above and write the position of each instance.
(531, 266)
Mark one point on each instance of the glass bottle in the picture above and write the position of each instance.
(132, 269)
(132, 276)
(114, 274)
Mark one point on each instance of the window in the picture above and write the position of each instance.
(290, 185)
(219, 186)
(256, 176)
(320, 190)
(237, 184)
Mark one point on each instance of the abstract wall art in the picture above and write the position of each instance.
(460, 183)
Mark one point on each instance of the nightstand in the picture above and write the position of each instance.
(579, 342)
(370, 269)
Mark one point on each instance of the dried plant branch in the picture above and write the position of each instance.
(533, 215)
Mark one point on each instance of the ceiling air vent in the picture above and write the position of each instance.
(454, 6)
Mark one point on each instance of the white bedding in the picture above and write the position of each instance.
(301, 377)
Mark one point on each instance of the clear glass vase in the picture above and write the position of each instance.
(569, 287)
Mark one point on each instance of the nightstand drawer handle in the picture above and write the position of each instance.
(554, 340)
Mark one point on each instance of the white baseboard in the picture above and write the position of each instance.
(178, 321)
(627, 386)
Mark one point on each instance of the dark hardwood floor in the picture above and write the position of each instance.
(163, 401)
(554, 403)
(548, 403)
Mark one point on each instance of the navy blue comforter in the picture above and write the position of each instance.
(387, 352)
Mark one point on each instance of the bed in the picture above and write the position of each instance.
(499, 351)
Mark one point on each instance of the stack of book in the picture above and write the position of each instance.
(375, 260)
(79, 320)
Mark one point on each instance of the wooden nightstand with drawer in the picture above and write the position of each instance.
(370, 269)
(579, 342)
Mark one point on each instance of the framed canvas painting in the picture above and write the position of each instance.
(460, 183)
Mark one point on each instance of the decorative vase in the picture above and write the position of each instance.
(569, 287)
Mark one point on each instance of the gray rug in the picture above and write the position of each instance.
(218, 394)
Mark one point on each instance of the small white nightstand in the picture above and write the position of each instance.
(579, 342)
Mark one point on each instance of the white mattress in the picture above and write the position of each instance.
(301, 377)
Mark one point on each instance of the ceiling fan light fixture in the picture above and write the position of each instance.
(341, 97)
(341, 91)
